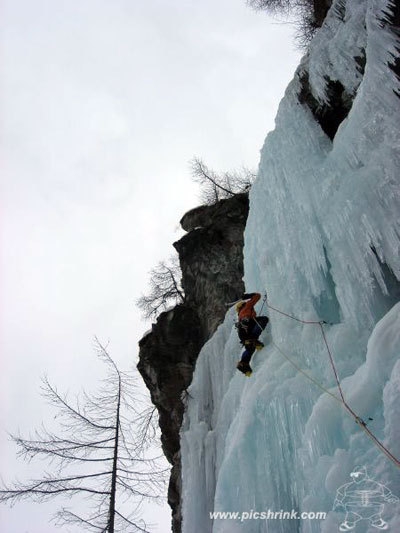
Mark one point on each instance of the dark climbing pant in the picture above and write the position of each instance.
(260, 323)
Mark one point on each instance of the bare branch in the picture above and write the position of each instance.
(165, 289)
(61, 403)
(215, 187)
(308, 14)
(65, 516)
(146, 428)
(138, 528)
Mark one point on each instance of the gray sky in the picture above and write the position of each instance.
(103, 104)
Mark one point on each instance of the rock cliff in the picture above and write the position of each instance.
(211, 259)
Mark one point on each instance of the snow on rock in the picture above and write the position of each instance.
(323, 238)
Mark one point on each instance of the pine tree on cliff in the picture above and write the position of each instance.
(215, 187)
(165, 289)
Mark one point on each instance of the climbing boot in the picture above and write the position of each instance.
(254, 343)
(244, 367)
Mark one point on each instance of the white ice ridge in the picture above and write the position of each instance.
(323, 238)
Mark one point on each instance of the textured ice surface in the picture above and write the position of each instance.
(323, 238)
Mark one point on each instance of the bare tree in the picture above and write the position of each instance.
(96, 435)
(165, 288)
(215, 187)
(272, 6)
(308, 14)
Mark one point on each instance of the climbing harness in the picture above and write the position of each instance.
(342, 399)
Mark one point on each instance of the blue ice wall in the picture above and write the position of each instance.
(323, 239)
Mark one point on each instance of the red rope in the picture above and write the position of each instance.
(334, 368)
(293, 317)
(359, 420)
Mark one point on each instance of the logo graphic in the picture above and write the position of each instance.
(363, 499)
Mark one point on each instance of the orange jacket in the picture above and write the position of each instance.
(247, 311)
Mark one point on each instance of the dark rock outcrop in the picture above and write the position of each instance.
(211, 258)
(393, 19)
(336, 105)
(320, 9)
(331, 115)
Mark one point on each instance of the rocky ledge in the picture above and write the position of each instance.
(211, 259)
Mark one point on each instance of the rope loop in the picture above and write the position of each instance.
(357, 418)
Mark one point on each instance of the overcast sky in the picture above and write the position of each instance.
(103, 104)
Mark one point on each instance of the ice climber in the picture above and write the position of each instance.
(249, 328)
